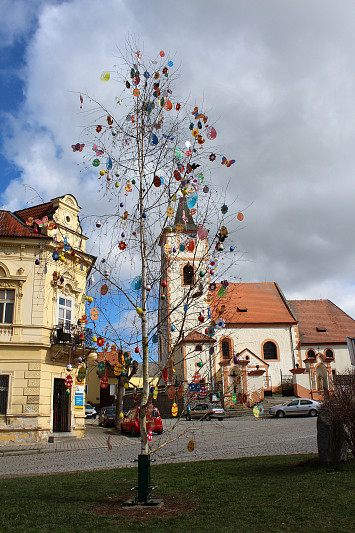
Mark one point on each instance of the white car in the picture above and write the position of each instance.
(90, 411)
(301, 406)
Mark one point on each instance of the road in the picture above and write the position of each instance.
(234, 437)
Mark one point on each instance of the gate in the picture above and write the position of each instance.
(287, 384)
(61, 402)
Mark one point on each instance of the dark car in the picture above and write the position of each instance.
(107, 416)
(205, 411)
(300, 407)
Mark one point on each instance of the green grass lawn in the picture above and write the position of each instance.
(256, 495)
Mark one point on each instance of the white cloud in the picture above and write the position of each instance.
(276, 76)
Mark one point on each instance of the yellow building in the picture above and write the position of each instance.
(43, 273)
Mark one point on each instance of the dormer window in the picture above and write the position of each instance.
(242, 309)
(321, 329)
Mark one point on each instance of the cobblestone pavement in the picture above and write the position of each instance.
(238, 437)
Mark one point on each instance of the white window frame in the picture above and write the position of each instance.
(66, 324)
(5, 301)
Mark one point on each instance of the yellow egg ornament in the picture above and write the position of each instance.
(121, 415)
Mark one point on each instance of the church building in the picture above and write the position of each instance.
(242, 339)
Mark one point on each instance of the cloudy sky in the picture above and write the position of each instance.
(276, 75)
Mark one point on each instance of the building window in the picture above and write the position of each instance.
(65, 312)
(198, 348)
(188, 274)
(226, 349)
(270, 350)
(311, 354)
(329, 353)
(7, 299)
(4, 390)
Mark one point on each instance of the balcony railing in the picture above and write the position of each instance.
(73, 335)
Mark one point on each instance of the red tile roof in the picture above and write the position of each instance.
(323, 314)
(36, 211)
(12, 226)
(264, 304)
(195, 336)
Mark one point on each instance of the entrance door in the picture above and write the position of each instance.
(61, 402)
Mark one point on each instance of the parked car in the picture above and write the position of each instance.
(107, 416)
(131, 422)
(90, 411)
(301, 406)
(205, 411)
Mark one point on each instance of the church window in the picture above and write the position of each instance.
(329, 353)
(270, 350)
(188, 275)
(311, 354)
(226, 349)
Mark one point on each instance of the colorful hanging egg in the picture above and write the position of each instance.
(171, 392)
(190, 446)
(104, 289)
(94, 313)
(118, 369)
(104, 382)
(174, 409)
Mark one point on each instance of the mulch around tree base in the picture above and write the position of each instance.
(171, 505)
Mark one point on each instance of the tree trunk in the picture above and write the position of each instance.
(119, 401)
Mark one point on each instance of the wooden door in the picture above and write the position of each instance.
(61, 402)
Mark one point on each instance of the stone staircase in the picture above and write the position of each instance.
(239, 410)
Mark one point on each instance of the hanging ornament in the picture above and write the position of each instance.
(104, 289)
(68, 381)
(240, 216)
(191, 446)
(118, 369)
(94, 313)
(165, 374)
(174, 409)
(171, 392)
(104, 382)
(155, 393)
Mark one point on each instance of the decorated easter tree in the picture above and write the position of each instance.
(154, 158)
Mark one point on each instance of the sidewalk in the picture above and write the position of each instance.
(88, 442)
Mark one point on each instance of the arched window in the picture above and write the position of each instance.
(270, 350)
(329, 353)
(188, 274)
(226, 349)
(311, 354)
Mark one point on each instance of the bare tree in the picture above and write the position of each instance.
(154, 162)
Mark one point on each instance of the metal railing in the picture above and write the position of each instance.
(71, 334)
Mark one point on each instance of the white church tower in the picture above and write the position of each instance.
(184, 285)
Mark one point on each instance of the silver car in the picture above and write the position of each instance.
(205, 411)
(301, 406)
(90, 411)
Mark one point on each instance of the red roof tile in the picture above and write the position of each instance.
(195, 336)
(36, 211)
(322, 314)
(251, 303)
(12, 226)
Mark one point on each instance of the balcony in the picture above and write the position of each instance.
(72, 335)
